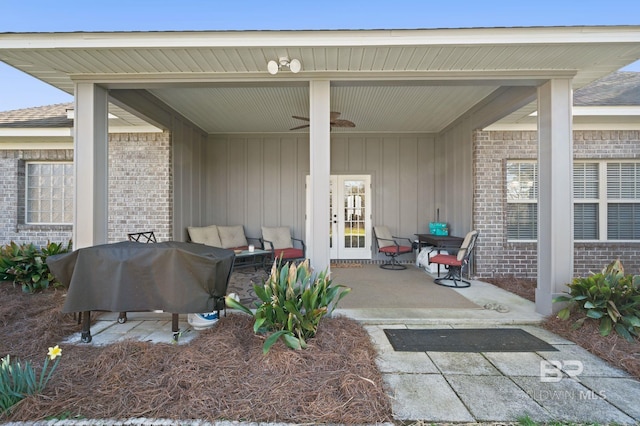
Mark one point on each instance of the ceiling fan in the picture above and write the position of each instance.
(334, 121)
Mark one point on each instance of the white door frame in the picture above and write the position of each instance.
(348, 211)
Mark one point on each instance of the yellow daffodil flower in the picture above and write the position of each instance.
(54, 352)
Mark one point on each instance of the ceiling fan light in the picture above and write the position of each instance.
(273, 67)
(295, 66)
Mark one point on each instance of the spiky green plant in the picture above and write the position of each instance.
(19, 380)
(292, 302)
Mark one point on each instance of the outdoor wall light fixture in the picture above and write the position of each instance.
(294, 65)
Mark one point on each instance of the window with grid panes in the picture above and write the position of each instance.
(623, 200)
(617, 197)
(522, 200)
(49, 193)
(585, 201)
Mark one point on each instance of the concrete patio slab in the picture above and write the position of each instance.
(592, 365)
(143, 326)
(463, 363)
(491, 399)
(543, 334)
(426, 397)
(520, 310)
(516, 363)
(569, 400)
(379, 339)
(623, 393)
(405, 362)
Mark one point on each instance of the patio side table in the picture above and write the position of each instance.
(439, 242)
(255, 258)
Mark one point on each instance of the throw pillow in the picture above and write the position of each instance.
(279, 236)
(207, 235)
(232, 236)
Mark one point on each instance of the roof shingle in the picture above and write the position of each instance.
(43, 116)
(618, 89)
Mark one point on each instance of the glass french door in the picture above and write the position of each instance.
(349, 216)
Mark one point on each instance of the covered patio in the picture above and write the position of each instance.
(377, 298)
(415, 96)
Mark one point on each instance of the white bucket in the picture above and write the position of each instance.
(202, 321)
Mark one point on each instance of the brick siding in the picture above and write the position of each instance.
(140, 185)
(494, 256)
(140, 193)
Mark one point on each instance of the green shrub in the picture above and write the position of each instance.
(611, 297)
(293, 301)
(25, 265)
(19, 380)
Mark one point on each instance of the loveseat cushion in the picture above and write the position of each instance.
(232, 236)
(207, 235)
(280, 236)
(289, 253)
(396, 249)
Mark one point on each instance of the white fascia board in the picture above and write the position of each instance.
(294, 38)
(607, 110)
(68, 132)
(35, 145)
(136, 129)
(25, 143)
(515, 127)
(54, 132)
(596, 111)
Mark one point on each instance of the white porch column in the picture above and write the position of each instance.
(91, 166)
(555, 192)
(320, 169)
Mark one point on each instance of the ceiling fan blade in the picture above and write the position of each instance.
(300, 127)
(343, 123)
(333, 122)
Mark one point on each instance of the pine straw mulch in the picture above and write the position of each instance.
(222, 374)
(613, 348)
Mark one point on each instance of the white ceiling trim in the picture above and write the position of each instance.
(457, 36)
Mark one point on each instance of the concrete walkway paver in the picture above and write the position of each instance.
(425, 397)
(621, 392)
(495, 399)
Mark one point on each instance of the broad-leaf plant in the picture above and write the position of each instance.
(610, 297)
(292, 302)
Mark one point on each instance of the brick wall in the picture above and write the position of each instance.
(12, 226)
(139, 190)
(495, 257)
